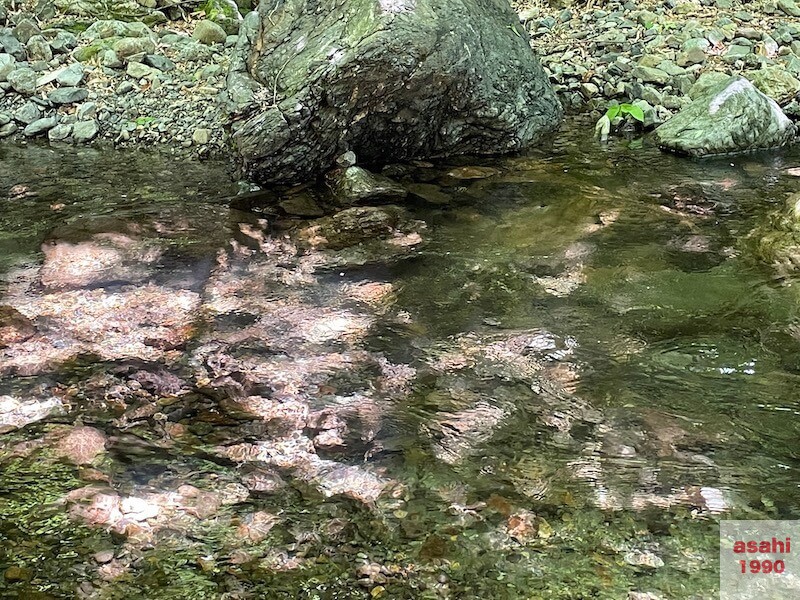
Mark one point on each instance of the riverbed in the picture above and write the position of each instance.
(546, 376)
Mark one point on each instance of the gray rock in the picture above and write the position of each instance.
(139, 70)
(124, 88)
(777, 83)
(404, 88)
(87, 110)
(651, 75)
(157, 61)
(68, 95)
(112, 28)
(736, 52)
(37, 48)
(7, 64)
(730, 117)
(347, 159)
(11, 44)
(355, 185)
(59, 132)
(201, 136)
(789, 7)
(127, 47)
(110, 60)
(27, 113)
(25, 30)
(8, 129)
(71, 76)
(705, 82)
(4, 119)
(23, 81)
(208, 32)
(40, 126)
(63, 42)
(84, 131)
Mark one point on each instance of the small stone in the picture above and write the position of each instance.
(68, 95)
(651, 75)
(27, 113)
(110, 60)
(789, 7)
(13, 574)
(104, 556)
(37, 48)
(4, 119)
(201, 136)
(157, 61)
(8, 129)
(347, 159)
(59, 132)
(84, 131)
(71, 76)
(124, 88)
(25, 30)
(87, 110)
(139, 70)
(63, 42)
(40, 126)
(7, 64)
(23, 81)
(208, 32)
(127, 47)
(589, 90)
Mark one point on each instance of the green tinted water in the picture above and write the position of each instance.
(602, 372)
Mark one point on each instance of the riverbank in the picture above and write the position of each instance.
(155, 81)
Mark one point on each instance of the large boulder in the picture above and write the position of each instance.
(731, 116)
(389, 79)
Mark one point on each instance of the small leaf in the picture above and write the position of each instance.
(637, 113)
(613, 111)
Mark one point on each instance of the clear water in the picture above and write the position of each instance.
(600, 370)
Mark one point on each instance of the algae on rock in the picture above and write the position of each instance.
(390, 80)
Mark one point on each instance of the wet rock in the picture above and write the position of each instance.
(256, 526)
(731, 117)
(14, 327)
(472, 172)
(359, 224)
(402, 88)
(82, 445)
(157, 61)
(355, 185)
(16, 574)
(16, 412)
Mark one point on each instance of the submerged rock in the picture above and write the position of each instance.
(393, 80)
(354, 184)
(732, 116)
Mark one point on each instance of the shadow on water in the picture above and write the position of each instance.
(554, 387)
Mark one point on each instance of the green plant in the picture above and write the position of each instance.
(625, 109)
(603, 126)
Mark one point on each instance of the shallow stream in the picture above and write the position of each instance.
(549, 378)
